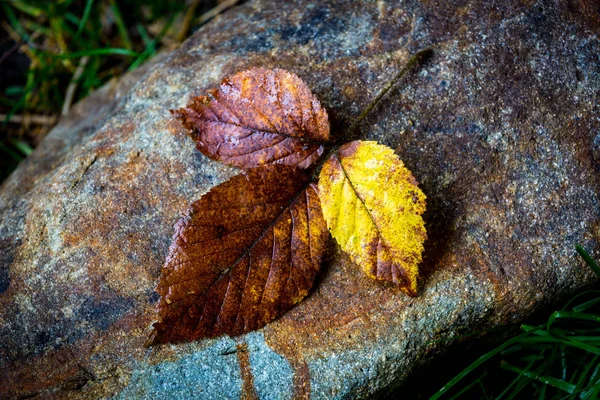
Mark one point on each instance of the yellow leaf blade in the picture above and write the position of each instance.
(373, 206)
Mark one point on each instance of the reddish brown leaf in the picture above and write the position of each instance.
(244, 254)
(258, 117)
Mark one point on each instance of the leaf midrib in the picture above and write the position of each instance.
(358, 196)
(256, 130)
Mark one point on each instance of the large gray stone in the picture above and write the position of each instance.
(500, 127)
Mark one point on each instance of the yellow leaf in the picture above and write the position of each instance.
(373, 208)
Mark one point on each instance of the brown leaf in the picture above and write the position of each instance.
(245, 253)
(257, 117)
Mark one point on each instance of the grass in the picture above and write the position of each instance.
(556, 359)
(56, 52)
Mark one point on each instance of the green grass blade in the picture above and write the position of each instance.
(97, 52)
(14, 90)
(144, 34)
(590, 339)
(539, 340)
(563, 363)
(151, 47)
(528, 328)
(580, 345)
(467, 388)
(32, 26)
(14, 22)
(548, 380)
(72, 18)
(478, 362)
(571, 315)
(593, 394)
(595, 375)
(26, 8)
(512, 349)
(522, 384)
(588, 260)
(580, 295)
(22, 146)
(557, 383)
(542, 394)
(121, 25)
(585, 372)
(588, 304)
(515, 381)
(32, 81)
(11, 153)
(57, 25)
(85, 17)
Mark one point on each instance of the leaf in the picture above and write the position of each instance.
(373, 209)
(245, 253)
(258, 117)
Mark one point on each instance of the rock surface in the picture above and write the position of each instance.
(501, 128)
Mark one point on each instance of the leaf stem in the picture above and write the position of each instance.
(416, 60)
(412, 63)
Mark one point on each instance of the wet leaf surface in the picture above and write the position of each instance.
(373, 209)
(244, 254)
(258, 117)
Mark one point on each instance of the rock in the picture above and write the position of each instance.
(500, 127)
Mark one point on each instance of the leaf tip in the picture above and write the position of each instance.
(411, 289)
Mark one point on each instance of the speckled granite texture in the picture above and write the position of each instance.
(501, 127)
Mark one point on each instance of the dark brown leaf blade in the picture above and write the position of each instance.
(246, 252)
(257, 117)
